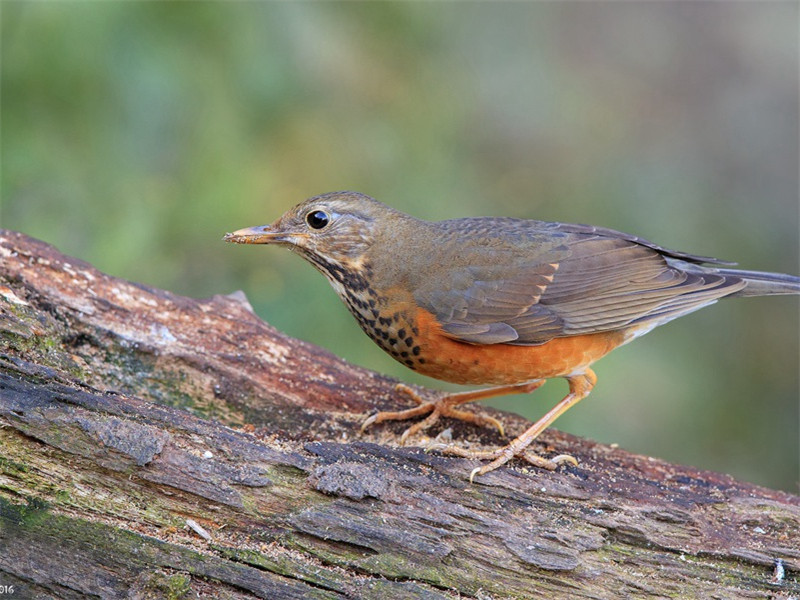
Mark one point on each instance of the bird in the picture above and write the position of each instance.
(498, 301)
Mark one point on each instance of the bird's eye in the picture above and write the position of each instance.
(317, 219)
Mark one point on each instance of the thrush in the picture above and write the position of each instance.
(498, 301)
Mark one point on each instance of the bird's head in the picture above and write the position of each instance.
(336, 228)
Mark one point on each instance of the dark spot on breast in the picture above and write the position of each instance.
(401, 334)
(416, 350)
(404, 354)
(392, 341)
(421, 361)
(409, 341)
(409, 362)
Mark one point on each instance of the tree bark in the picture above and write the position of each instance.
(155, 446)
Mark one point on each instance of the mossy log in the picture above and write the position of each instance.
(156, 446)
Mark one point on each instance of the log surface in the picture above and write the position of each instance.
(157, 446)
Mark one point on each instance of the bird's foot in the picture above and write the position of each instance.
(501, 456)
(579, 388)
(443, 407)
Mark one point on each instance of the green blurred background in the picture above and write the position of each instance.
(135, 134)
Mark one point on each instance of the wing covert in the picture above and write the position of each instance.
(530, 292)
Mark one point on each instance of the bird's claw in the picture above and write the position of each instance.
(368, 421)
(564, 459)
(473, 473)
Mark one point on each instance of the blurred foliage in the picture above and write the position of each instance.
(134, 135)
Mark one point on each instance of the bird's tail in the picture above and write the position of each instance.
(760, 283)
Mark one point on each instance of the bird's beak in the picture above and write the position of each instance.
(263, 234)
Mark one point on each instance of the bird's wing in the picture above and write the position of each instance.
(536, 289)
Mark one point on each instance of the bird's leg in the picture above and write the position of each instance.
(579, 388)
(444, 407)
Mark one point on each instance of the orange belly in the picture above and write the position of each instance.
(499, 364)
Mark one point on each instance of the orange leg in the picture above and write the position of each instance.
(579, 388)
(443, 407)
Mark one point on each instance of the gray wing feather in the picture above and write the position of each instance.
(492, 333)
(565, 280)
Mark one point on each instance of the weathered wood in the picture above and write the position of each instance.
(126, 412)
